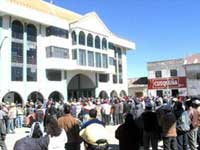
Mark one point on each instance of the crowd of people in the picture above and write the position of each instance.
(142, 122)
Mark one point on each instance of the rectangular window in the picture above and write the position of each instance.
(120, 78)
(158, 74)
(17, 73)
(57, 52)
(90, 59)
(31, 56)
(111, 46)
(114, 78)
(31, 74)
(74, 54)
(105, 61)
(56, 32)
(1, 21)
(111, 61)
(103, 77)
(120, 68)
(98, 60)
(17, 52)
(82, 57)
(53, 75)
(173, 73)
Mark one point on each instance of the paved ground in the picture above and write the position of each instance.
(22, 132)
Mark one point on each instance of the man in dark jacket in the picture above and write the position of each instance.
(128, 134)
(2, 130)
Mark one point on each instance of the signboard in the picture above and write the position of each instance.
(167, 83)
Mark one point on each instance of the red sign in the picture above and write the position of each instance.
(165, 83)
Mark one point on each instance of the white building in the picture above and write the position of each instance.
(167, 78)
(192, 67)
(50, 52)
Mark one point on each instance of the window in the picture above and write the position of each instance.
(105, 61)
(173, 73)
(17, 52)
(31, 33)
(103, 77)
(81, 38)
(198, 76)
(17, 30)
(159, 93)
(74, 54)
(1, 21)
(120, 78)
(111, 61)
(74, 39)
(31, 56)
(56, 32)
(98, 60)
(119, 51)
(57, 52)
(104, 43)
(90, 40)
(97, 42)
(53, 75)
(111, 46)
(17, 73)
(120, 68)
(31, 74)
(82, 57)
(114, 78)
(158, 74)
(90, 59)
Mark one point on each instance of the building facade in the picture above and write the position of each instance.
(50, 52)
(167, 78)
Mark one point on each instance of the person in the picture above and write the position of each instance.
(57, 136)
(37, 130)
(71, 127)
(128, 134)
(11, 115)
(2, 130)
(93, 131)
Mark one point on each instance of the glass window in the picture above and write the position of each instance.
(120, 78)
(90, 40)
(98, 60)
(105, 61)
(119, 51)
(114, 78)
(17, 52)
(57, 52)
(17, 30)
(74, 39)
(97, 42)
(17, 73)
(104, 43)
(103, 77)
(53, 75)
(158, 74)
(56, 32)
(120, 68)
(31, 33)
(82, 57)
(31, 74)
(173, 73)
(111, 46)
(90, 58)
(1, 21)
(31, 56)
(74, 54)
(81, 38)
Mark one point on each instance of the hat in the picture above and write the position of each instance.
(197, 102)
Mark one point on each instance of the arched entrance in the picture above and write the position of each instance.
(103, 94)
(122, 93)
(12, 97)
(113, 94)
(81, 86)
(56, 96)
(35, 96)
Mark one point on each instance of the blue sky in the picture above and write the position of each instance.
(161, 29)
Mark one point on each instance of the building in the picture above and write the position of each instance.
(192, 67)
(137, 86)
(50, 52)
(167, 78)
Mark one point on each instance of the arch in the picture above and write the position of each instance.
(104, 43)
(35, 96)
(113, 94)
(90, 40)
(31, 33)
(17, 29)
(12, 97)
(81, 38)
(103, 94)
(81, 86)
(123, 93)
(97, 42)
(74, 38)
(56, 96)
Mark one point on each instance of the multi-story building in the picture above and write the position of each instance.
(50, 52)
(167, 78)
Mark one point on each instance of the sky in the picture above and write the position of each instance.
(161, 29)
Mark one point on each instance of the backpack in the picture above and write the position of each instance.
(39, 115)
(183, 122)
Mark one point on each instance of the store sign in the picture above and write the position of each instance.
(165, 83)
